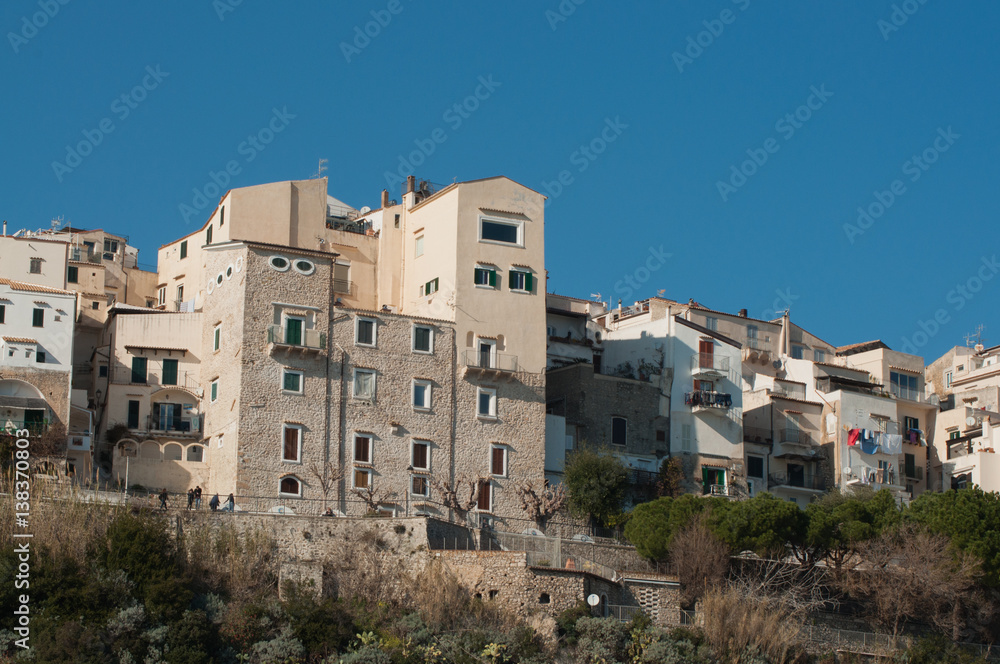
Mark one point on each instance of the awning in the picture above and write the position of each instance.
(33, 403)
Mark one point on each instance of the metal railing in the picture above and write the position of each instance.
(620, 612)
(704, 398)
(189, 425)
(35, 428)
(709, 362)
(757, 435)
(276, 334)
(803, 481)
(343, 286)
(489, 361)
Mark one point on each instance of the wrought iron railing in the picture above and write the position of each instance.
(803, 481)
(709, 362)
(494, 361)
(276, 334)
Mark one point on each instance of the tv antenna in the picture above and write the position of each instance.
(320, 168)
(976, 337)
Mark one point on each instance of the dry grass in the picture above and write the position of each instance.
(244, 563)
(735, 624)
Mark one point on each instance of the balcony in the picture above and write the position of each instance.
(489, 362)
(759, 435)
(708, 366)
(802, 481)
(703, 401)
(345, 286)
(358, 226)
(34, 427)
(177, 426)
(291, 339)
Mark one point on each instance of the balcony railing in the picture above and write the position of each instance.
(314, 339)
(182, 425)
(360, 226)
(709, 363)
(703, 400)
(761, 435)
(11, 427)
(906, 393)
(500, 362)
(343, 286)
(798, 481)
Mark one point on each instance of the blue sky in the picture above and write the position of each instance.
(733, 139)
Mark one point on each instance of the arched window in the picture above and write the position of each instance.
(173, 452)
(149, 450)
(290, 486)
(196, 453)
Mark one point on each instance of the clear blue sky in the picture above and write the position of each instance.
(679, 126)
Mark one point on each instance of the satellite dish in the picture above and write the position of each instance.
(971, 421)
(593, 599)
(776, 364)
(365, 210)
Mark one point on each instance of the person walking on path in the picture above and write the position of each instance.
(230, 504)
(190, 499)
(163, 499)
(213, 504)
(197, 497)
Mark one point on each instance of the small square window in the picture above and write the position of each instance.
(184, 249)
(97, 305)
(214, 391)
(430, 287)
(362, 478)
(486, 277)
(423, 339)
(365, 332)
(519, 280)
(291, 381)
(422, 394)
(40, 357)
(418, 246)
(486, 402)
(36, 266)
(498, 461)
(73, 274)
(290, 486)
(362, 449)
(420, 455)
(38, 318)
(755, 467)
(364, 384)
(291, 449)
(419, 486)
(819, 355)
(102, 371)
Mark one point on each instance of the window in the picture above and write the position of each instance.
(755, 466)
(38, 318)
(798, 352)
(73, 274)
(214, 390)
(430, 287)
(487, 354)
(423, 339)
(291, 448)
(111, 246)
(947, 375)
(661, 436)
(161, 295)
(501, 231)
(519, 280)
(903, 385)
(279, 263)
(133, 414)
(418, 246)
(362, 478)
(291, 381)
(102, 371)
(3, 313)
(169, 372)
(419, 486)
(910, 423)
(420, 455)
(819, 355)
(97, 305)
(619, 430)
(364, 332)
(752, 337)
(180, 293)
(487, 402)
(222, 217)
(40, 357)
(290, 486)
(304, 267)
(421, 394)
(953, 435)
(498, 460)
(208, 235)
(486, 277)
(712, 323)
(196, 453)
(184, 249)
(364, 384)
(362, 448)
(685, 437)
(293, 330)
(217, 338)
(910, 465)
(36, 266)
(544, 598)
(484, 501)
(138, 370)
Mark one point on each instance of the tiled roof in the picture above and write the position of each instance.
(20, 340)
(32, 288)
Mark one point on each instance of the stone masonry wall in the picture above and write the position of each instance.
(54, 386)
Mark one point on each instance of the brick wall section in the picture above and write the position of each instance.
(659, 600)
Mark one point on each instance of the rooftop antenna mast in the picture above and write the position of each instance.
(976, 337)
(320, 168)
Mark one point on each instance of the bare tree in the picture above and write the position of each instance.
(910, 573)
(543, 503)
(326, 477)
(792, 590)
(374, 497)
(699, 559)
(456, 497)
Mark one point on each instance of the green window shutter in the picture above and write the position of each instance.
(72, 274)
(529, 280)
(437, 284)
(705, 479)
(493, 278)
(511, 283)
(133, 414)
(138, 370)
(169, 372)
(184, 249)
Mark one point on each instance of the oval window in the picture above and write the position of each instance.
(211, 286)
(279, 263)
(239, 263)
(218, 279)
(229, 272)
(304, 267)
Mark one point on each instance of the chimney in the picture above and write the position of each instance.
(743, 313)
(411, 183)
(385, 198)
(5, 228)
